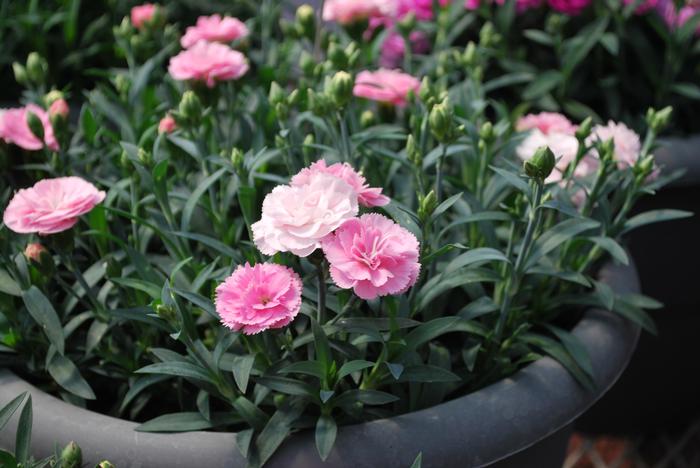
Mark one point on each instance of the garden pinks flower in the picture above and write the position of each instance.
(260, 297)
(295, 218)
(386, 86)
(546, 122)
(627, 143)
(372, 255)
(394, 47)
(423, 9)
(208, 62)
(366, 195)
(143, 14)
(51, 205)
(569, 7)
(351, 11)
(214, 28)
(15, 129)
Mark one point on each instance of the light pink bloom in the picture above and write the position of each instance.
(34, 250)
(167, 124)
(143, 14)
(387, 86)
(256, 298)
(564, 146)
(59, 107)
(394, 48)
(15, 129)
(569, 7)
(366, 195)
(208, 62)
(214, 29)
(643, 7)
(373, 255)
(51, 205)
(351, 11)
(627, 143)
(296, 218)
(546, 122)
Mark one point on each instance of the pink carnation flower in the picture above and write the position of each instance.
(423, 9)
(373, 255)
(546, 122)
(569, 7)
(387, 86)
(167, 124)
(627, 143)
(674, 17)
(51, 205)
(394, 48)
(366, 195)
(15, 129)
(351, 11)
(564, 146)
(214, 29)
(208, 62)
(296, 218)
(143, 14)
(256, 298)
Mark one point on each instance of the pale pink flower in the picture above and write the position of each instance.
(208, 62)
(167, 124)
(373, 255)
(394, 48)
(351, 11)
(214, 29)
(569, 7)
(387, 86)
(51, 205)
(296, 218)
(143, 14)
(366, 195)
(34, 250)
(256, 298)
(59, 107)
(15, 129)
(546, 122)
(627, 143)
(564, 146)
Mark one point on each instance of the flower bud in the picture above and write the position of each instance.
(53, 96)
(607, 151)
(190, 107)
(367, 119)
(584, 130)
(425, 92)
(71, 456)
(469, 56)
(167, 313)
(238, 160)
(486, 35)
(644, 168)
(58, 112)
(105, 464)
(337, 56)
(144, 157)
(340, 87)
(306, 19)
(486, 132)
(307, 64)
(294, 97)
(308, 149)
(440, 120)
(122, 84)
(35, 125)
(33, 251)
(413, 153)
(427, 205)
(541, 164)
(37, 68)
(167, 124)
(276, 94)
(658, 120)
(20, 73)
(407, 24)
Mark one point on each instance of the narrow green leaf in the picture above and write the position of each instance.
(636, 315)
(612, 247)
(67, 375)
(556, 236)
(140, 285)
(23, 439)
(655, 216)
(243, 440)
(438, 285)
(312, 368)
(326, 431)
(428, 373)
(288, 386)
(8, 285)
(479, 255)
(513, 179)
(542, 84)
(177, 369)
(322, 348)
(575, 348)
(193, 199)
(45, 316)
(242, 365)
(276, 430)
(185, 422)
(418, 462)
(446, 205)
(368, 397)
(9, 409)
(138, 386)
(395, 369)
(352, 367)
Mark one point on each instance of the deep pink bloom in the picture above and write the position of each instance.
(628, 146)
(51, 205)
(15, 129)
(59, 107)
(256, 298)
(296, 218)
(208, 62)
(394, 48)
(423, 9)
(373, 255)
(569, 7)
(546, 122)
(643, 7)
(350, 11)
(34, 250)
(675, 17)
(143, 14)
(214, 29)
(366, 195)
(167, 124)
(387, 86)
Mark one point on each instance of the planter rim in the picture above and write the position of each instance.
(476, 429)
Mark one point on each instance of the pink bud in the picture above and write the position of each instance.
(33, 251)
(60, 108)
(167, 124)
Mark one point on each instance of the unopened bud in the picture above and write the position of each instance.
(486, 132)
(306, 19)
(167, 124)
(238, 160)
(33, 251)
(190, 106)
(541, 164)
(71, 456)
(413, 153)
(425, 92)
(308, 149)
(469, 56)
(339, 89)
(584, 130)
(307, 64)
(59, 111)
(427, 205)
(440, 120)
(122, 84)
(337, 56)
(20, 73)
(659, 119)
(607, 150)
(486, 34)
(166, 312)
(276, 94)
(144, 157)
(367, 119)
(37, 68)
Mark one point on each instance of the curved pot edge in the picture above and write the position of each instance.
(439, 432)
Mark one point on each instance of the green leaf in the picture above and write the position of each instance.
(242, 365)
(200, 301)
(444, 206)
(7, 460)
(184, 422)
(476, 218)
(374, 323)
(8, 285)
(243, 440)
(438, 285)
(326, 431)
(428, 373)
(557, 351)
(138, 386)
(539, 37)
(219, 246)
(554, 237)
(605, 295)
(45, 316)
(469, 356)
(67, 375)
(23, 439)
(544, 83)
(94, 335)
(430, 330)
(418, 462)
(635, 314)
(575, 348)
(140, 285)
(479, 255)
(351, 367)
(612, 247)
(276, 430)
(641, 301)
(509, 79)
(288, 386)
(368, 397)
(395, 369)
(312, 368)
(571, 276)
(177, 369)
(688, 90)
(195, 196)
(322, 348)
(513, 179)
(655, 216)
(254, 416)
(9, 409)
(580, 46)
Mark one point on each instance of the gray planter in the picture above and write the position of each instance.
(522, 421)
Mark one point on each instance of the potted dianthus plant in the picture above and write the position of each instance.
(312, 257)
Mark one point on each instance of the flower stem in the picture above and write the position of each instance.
(438, 170)
(321, 301)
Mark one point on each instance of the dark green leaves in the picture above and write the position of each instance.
(326, 431)
(23, 439)
(67, 375)
(177, 369)
(655, 216)
(9, 409)
(8, 285)
(242, 365)
(45, 316)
